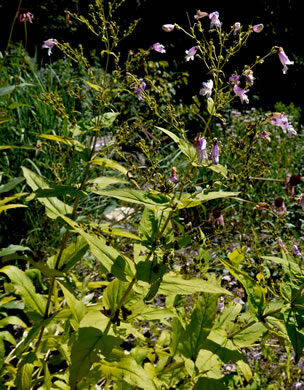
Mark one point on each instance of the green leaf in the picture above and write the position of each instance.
(54, 207)
(77, 307)
(11, 184)
(154, 200)
(7, 90)
(106, 120)
(107, 163)
(33, 302)
(114, 292)
(188, 201)
(295, 328)
(210, 106)
(70, 255)
(23, 379)
(71, 142)
(237, 256)
(210, 384)
(185, 147)
(60, 191)
(249, 336)
(104, 181)
(89, 346)
(128, 371)
(174, 284)
(209, 364)
(12, 320)
(11, 249)
(202, 320)
(112, 260)
(255, 292)
(218, 169)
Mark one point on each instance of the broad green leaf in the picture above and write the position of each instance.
(189, 201)
(154, 200)
(111, 259)
(33, 302)
(94, 319)
(90, 345)
(114, 292)
(255, 292)
(60, 191)
(71, 142)
(250, 335)
(202, 320)
(54, 207)
(12, 320)
(185, 147)
(76, 306)
(113, 231)
(105, 120)
(218, 169)
(177, 332)
(23, 379)
(11, 249)
(237, 256)
(209, 364)
(11, 184)
(128, 371)
(245, 369)
(154, 313)
(210, 384)
(104, 181)
(174, 284)
(287, 262)
(228, 316)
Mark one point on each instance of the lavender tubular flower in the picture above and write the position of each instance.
(215, 152)
(241, 93)
(296, 250)
(168, 27)
(199, 15)
(214, 17)
(190, 53)
(173, 176)
(207, 88)
(49, 44)
(201, 146)
(257, 28)
(283, 58)
(159, 47)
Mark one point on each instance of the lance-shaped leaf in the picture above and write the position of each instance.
(111, 259)
(154, 200)
(188, 200)
(11, 184)
(184, 146)
(23, 379)
(104, 181)
(53, 206)
(71, 142)
(3, 202)
(76, 306)
(34, 303)
(295, 328)
(174, 284)
(202, 320)
(255, 292)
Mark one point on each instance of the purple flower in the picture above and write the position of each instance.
(216, 218)
(190, 53)
(49, 44)
(221, 305)
(207, 88)
(258, 27)
(199, 14)
(214, 17)
(296, 250)
(168, 27)
(140, 88)
(159, 47)
(241, 93)
(173, 177)
(265, 135)
(26, 17)
(215, 152)
(236, 27)
(200, 145)
(279, 207)
(280, 119)
(235, 79)
(283, 58)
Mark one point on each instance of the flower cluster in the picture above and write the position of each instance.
(25, 16)
(200, 145)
